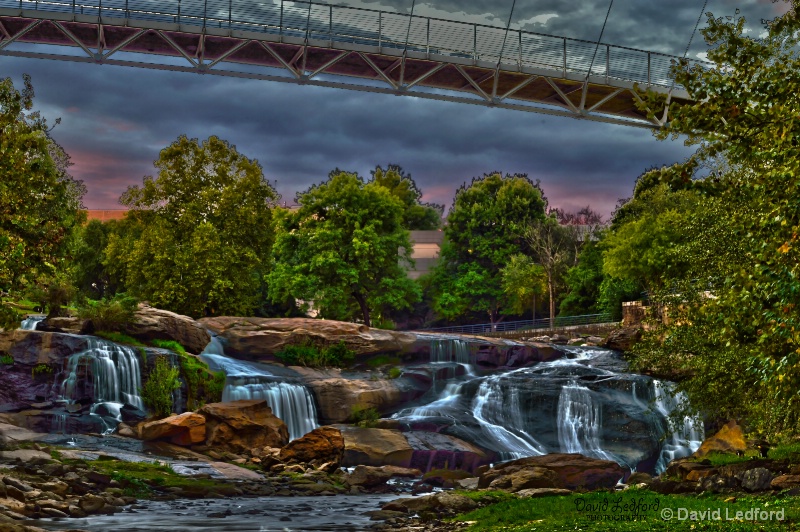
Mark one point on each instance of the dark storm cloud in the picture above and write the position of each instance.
(116, 119)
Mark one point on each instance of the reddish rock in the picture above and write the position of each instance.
(375, 447)
(622, 339)
(184, 429)
(321, 445)
(239, 426)
(729, 439)
(573, 471)
(783, 482)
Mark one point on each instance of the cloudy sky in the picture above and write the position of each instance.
(116, 119)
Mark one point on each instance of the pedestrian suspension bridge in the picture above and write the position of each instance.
(320, 44)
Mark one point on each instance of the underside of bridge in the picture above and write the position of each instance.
(308, 57)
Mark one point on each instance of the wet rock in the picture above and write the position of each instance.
(321, 445)
(182, 429)
(729, 439)
(91, 503)
(442, 503)
(375, 447)
(572, 471)
(368, 476)
(239, 426)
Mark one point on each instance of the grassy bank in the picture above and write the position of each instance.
(638, 510)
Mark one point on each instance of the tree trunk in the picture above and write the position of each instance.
(552, 302)
(533, 314)
(362, 302)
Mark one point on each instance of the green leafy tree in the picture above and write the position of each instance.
(206, 230)
(482, 234)
(39, 201)
(342, 249)
(733, 327)
(90, 277)
(523, 282)
(417, 216)
(582, 282)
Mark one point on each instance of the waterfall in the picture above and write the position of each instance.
(30, 323)
(116, 377)
(579, 422)
(450, 350)
(292, 403)
(683, 437)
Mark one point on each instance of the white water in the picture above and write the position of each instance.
(292, 403)
(29, 323)
(683, 437)
(579, 422)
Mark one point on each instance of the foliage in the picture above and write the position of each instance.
(109, 314)
(206, 231)
(89, 276)
(9, 317)
(394, 373)
(363, 416)
(157, 390)
(6, 359)
(340, 249)
(202, 385)
(582, 282)
(482, 233)
(523, 281)
(417, 216)
(41, 369)
(307, 354)
(733, 316)
(39, 201)
(119, 338)
(377, 361)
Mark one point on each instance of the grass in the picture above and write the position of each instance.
(6, 359)
(632, 510)
(119, 338)
(382, 360)
(790, 452)
(310, 355)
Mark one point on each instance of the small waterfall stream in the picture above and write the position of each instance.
(30, 323)
(292, 403)
(110, 374)
(584, 402)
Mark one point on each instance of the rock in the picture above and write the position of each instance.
(432, 450)
(784, 482)
(470, 483)
(534, 493)
(67, 324)
(151, 323)
(445, 478)
(239, 426)
(263, 337)
(683, 467)
(572, 471)
(183, 429)
(729, 439)
(442, 502)
(91, 503)
(22, 486)
(622, 339)
(639, 478)
(375, 447)
(757, 479)
(368, 476)
(25, 455)
(324, 444)
(534, 477)
(126, 431)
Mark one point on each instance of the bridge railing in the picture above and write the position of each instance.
(320, 21)
(558, 322)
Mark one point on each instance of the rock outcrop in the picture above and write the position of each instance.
(320, 446)
(184, 429)
(556, 470)
(239, 426)
(729, 439)
(622, 339)
(151, 323)
(261, 338)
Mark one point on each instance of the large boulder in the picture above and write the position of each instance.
(261, 338)
(239, 426)
(321, 445)
(184, 429)
(66, 324)
(573, 471)
(151, 323)
(434, 450)
(622, 339)
(729, 439)
(375, 447)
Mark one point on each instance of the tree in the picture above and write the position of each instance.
(582, 282)
(734, 324)
(552, 246)
(90, 277)
(343, 247)
(40, 203)
(204, 232)
(417, 216)
(482, 233)
(523, 281)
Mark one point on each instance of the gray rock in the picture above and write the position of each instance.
(758, 479)
(543, 492)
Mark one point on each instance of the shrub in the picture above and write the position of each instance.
(363, 416)
(6, 359)
(394, 373)
(41, 369)
(109, 314)
(202, 385)
(157, 391)
(307, 354)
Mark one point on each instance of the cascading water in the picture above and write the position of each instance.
(683, 437)
(292, 403)
(115, 379)
(584, 402)
(30, 323)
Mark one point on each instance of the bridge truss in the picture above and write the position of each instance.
(320, 44)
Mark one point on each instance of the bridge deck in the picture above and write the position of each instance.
(336, 46)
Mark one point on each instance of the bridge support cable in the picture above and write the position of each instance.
(439, 59)
(594, 55)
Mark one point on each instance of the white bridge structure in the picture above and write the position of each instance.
(327, 45)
